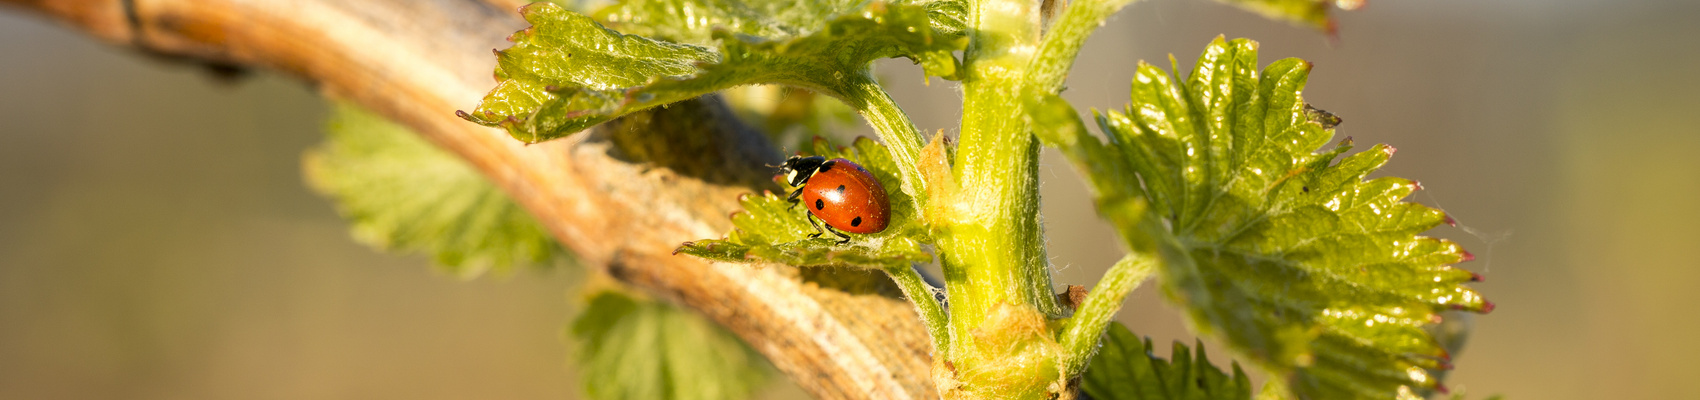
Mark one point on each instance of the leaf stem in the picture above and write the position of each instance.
(1081, 333)
(893, 126)
(926, 304)
(1057, 52)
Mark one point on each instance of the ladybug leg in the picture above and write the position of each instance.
(840, 234)
(793, 199)
(818, 230)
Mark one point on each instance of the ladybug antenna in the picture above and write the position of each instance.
(787, 164)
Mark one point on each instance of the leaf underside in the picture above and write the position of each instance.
(402, 194)
(631, 348)
(568, 72)
(1125, 369)
(769, 229)
(1287, 253)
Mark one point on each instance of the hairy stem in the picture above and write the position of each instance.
(992, 248)
(1080, 334)
(995, 253)
(997, 228)
(932, 313)
(893, 126)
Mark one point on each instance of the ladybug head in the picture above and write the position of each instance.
(798, 169)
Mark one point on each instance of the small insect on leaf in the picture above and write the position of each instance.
(841, 194)
(782, 229)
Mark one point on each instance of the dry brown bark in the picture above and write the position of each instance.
(417, 61)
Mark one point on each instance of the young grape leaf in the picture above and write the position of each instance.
(1311, 13)
(629, 348)
(567, 72)
(1288, 254)
(770, 229)
(402, 194)
(1124, 368)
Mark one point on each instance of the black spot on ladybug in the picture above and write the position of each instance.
(855, 222)
(820, 205)
(841, 189)
(826, 166)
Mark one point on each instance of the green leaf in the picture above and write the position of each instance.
(771, 230)
(631, 348)
(697, 21)
(1125, 369)
(1288, 254)
(402, 194)
(1311, 13)
(568, 72)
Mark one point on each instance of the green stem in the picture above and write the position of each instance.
(1080, 334)
(990, 242)
(932, 314)
(1062, 43)
(893, 127)
(994, 252)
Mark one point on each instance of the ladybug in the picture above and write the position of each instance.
(840, 193)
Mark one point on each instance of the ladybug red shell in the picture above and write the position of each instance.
(840, 193)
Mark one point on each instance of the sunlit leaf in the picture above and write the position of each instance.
(631, 348)
(568, 72)
(402, 194)
(771, 230)
(1287, 253)
(1125, 369)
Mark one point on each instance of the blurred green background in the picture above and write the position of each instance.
(156, 240)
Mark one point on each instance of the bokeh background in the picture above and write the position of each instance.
(157, 241)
